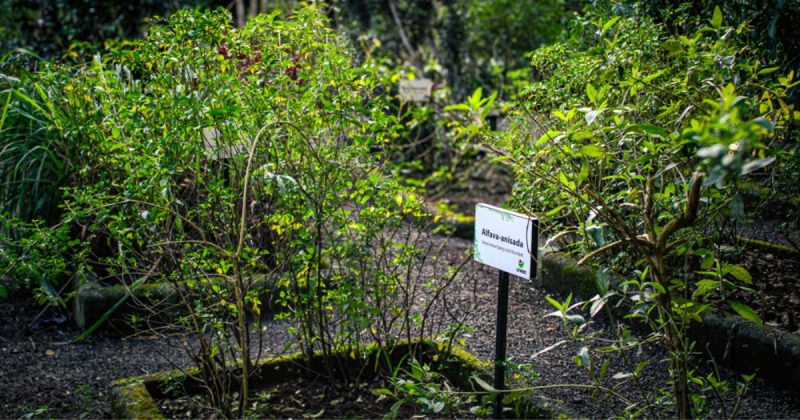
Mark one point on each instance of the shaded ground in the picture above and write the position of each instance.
(776, 279)
(44, 377)
(301, 398)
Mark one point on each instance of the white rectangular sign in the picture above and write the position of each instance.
(506, 240)
(417, 90)
(222, 151)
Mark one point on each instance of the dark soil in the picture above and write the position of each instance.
(776, 279)
(305, 398)
(45, 376)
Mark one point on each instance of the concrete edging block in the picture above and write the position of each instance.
(93, 300)
(132, 400)
(731, 340)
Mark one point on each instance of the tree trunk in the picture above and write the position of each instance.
(674, 340)
(239, 9)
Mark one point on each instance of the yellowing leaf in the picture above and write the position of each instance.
(740, 273)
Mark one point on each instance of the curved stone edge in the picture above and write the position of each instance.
(749, 348)
(131, 398)
(732, 341)
(769, 247)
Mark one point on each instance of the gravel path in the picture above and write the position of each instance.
(529, 332)
(43, 378)
(770, 231)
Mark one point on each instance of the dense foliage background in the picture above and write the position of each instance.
(228, 152)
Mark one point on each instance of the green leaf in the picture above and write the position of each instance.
(768, 70)
(483, 384)
(563, 179)
(754, 165)
(653, 130)
(745, 312)
(438, 406)
(673, 46)
(592, 151)
(610, 24)
(457, 107)
(382, 391)
(591, 92)
(740, 273)
(555, 210)
(716, 20)
(603, 370)
(596, 233)
(576, 319)
(591, 116)
(583, 175)
(556, 304)
(3, 292)
(315, 415)
(653, 76)
(497, 159)
(583, 357)
(474, 101)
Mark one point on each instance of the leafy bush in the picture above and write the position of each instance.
(231, 162)
(630, 140)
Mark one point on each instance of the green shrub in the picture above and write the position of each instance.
(632, 138)
(231, 162)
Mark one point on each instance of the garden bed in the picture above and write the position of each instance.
(731, 340)
(291, 386)
(92, 365)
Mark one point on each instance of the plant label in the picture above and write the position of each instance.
(216, 149)
(417, 90)
(506, 240)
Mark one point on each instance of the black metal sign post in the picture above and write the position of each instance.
(499, 243)
(500, 343)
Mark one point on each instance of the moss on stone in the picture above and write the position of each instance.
(132, 400)
(731, 340)
(560, 273)
(748, 348)
(93, 300)
(770, 247)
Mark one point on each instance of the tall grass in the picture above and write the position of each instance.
(35, 163)
(34, 158)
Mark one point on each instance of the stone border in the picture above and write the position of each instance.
(93, 300)
(131, 398)
(731, 340)
(778, 249)
(133, 401)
